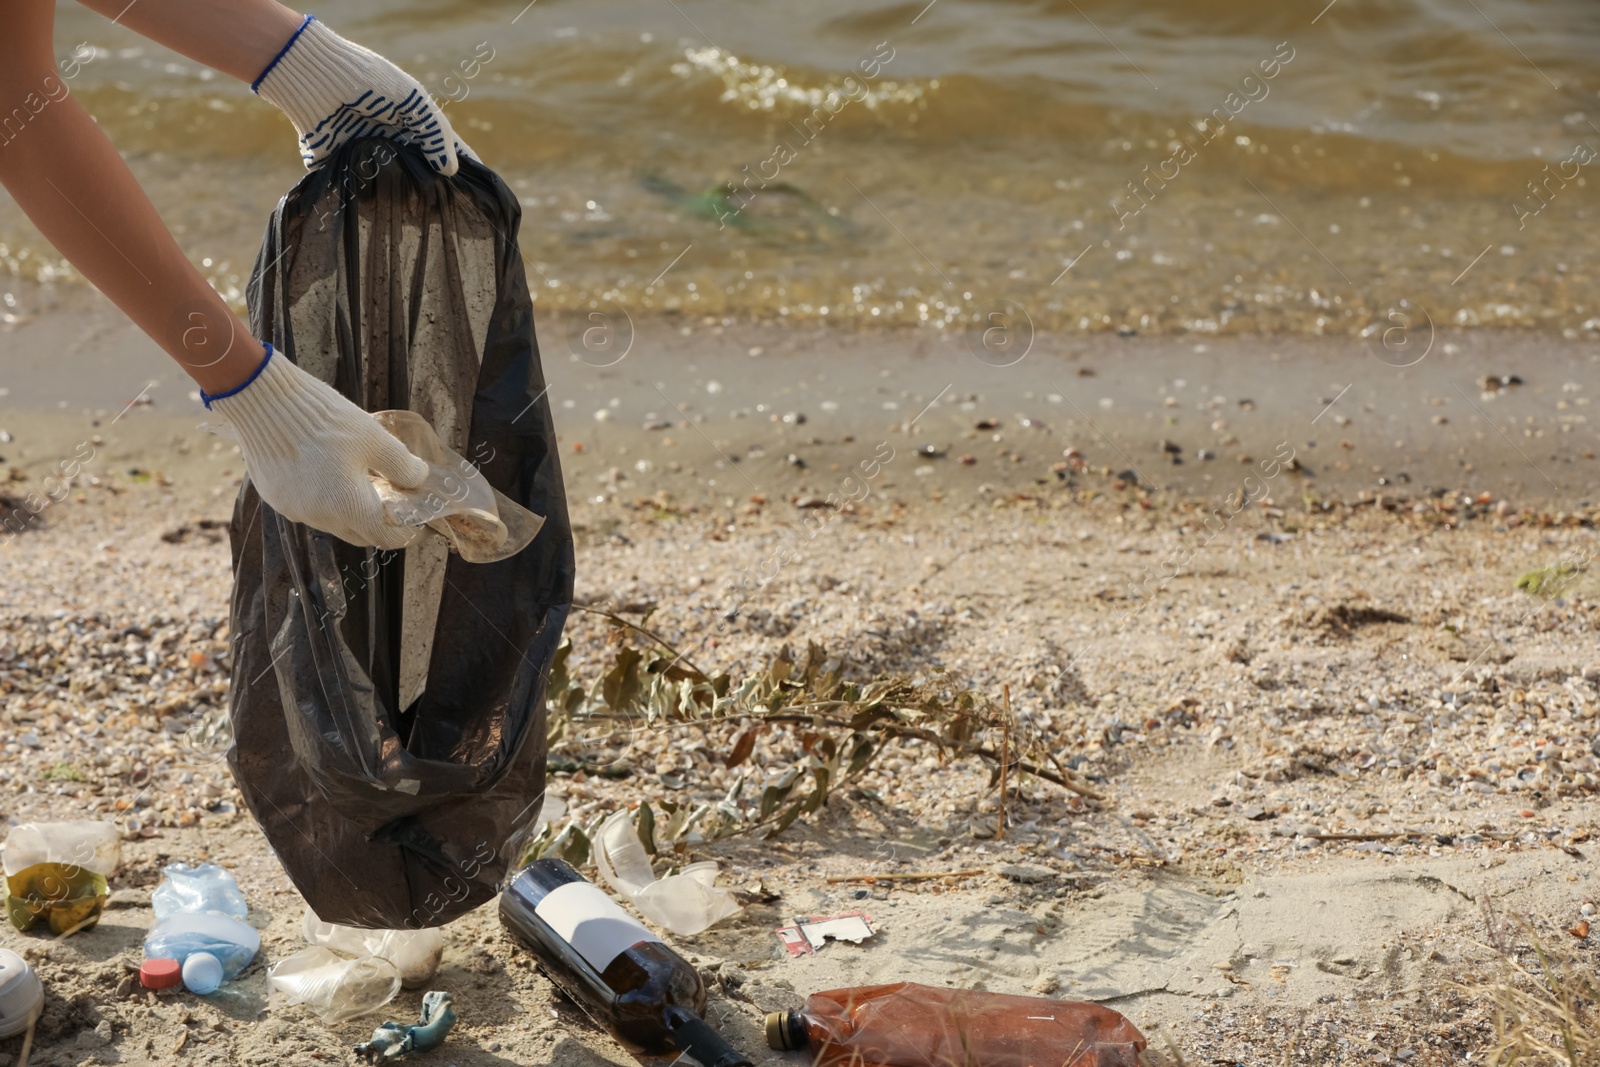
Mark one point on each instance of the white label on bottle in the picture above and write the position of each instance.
(591, 922)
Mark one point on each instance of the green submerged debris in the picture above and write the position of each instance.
(761, 209)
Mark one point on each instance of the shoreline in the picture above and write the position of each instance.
(709, 413)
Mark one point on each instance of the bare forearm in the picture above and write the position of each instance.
(237, 37)
(63, 172)
(309, 451)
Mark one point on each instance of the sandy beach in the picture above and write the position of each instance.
(1201, 392)
(1326, 729)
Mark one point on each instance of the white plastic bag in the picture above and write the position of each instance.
(333, 987)
(414, 953)
(685, 903)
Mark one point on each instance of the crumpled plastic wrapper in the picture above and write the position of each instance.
(685, 903)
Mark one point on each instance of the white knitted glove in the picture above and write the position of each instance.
(334, 91)
(309, 451)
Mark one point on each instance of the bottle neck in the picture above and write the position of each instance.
(786, 1031)
(699, 1042)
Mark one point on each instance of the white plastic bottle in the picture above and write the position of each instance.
(233, 944)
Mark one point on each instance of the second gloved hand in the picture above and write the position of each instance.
(309, 452)
(335, 91)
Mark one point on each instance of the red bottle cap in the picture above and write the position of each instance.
(160, 974)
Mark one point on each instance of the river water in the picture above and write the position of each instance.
(1163, 166)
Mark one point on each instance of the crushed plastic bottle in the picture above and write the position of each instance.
(333, 987)
(233, 943)
(685, 903)
(194, 890)
(200, 926)
(414, 953)
(56, 872)
(910, 1025)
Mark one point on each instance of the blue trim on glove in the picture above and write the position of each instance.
(255, 86)
(206, 398)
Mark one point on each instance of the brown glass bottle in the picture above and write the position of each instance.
(624, 977)
(910, 1025)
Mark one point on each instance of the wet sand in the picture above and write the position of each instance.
(715, 412)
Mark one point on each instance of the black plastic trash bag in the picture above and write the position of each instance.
(388, 707)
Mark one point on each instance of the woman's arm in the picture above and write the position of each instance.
(333, 90)
(237, 37)
(68, 178)
(309, 451)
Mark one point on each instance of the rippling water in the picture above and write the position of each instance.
(870, 162)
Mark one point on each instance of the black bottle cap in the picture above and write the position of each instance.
(785, 1031)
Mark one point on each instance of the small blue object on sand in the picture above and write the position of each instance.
(391, 1040)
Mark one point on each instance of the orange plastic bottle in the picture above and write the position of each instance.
(910, 1025)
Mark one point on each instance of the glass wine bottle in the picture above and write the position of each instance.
(622, 975)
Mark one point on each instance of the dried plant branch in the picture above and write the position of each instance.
(843, 727)
(626, 623)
